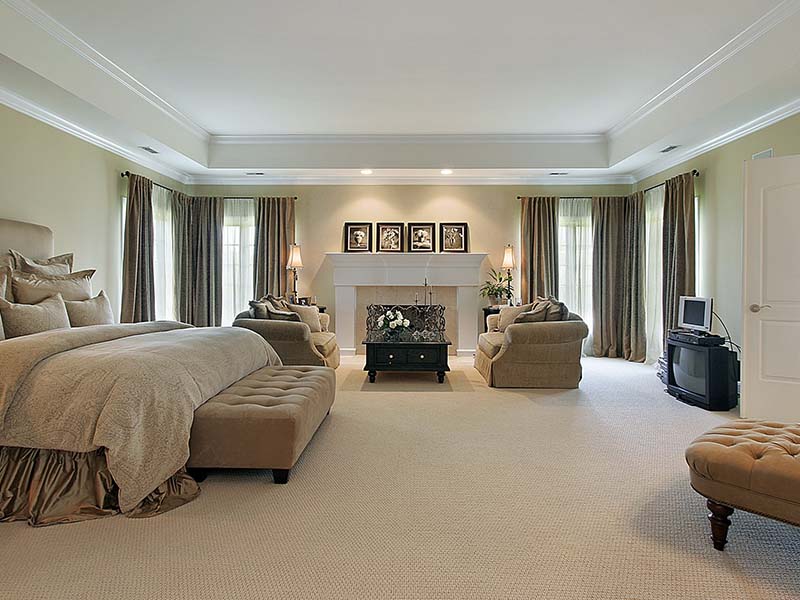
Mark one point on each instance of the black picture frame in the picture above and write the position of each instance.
(419, 241)
(450, 243)
(352, 241)
(395, 243)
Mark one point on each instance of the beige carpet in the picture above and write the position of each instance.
(415, 490)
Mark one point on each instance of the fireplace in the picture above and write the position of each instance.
(362, 278)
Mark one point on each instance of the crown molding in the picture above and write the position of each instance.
(18, 103)
(217, 179)
(490, 138)
(740, 42)
(56, 30)
(765, 120)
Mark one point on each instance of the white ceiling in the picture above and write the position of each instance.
(313, 92)
(413, 67)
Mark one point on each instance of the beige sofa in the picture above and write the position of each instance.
(532, 355)
(294, 342)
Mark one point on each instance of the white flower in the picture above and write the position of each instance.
(399, 315)
(392, 324)
(406, 322)
(380, 321)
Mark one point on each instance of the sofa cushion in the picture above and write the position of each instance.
(544, 309)
(509, 313)
(490, 343)
(308, 315)
(324, 342)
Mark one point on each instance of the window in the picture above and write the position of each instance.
(238, 248)
(575, 258)
(163, 254)
(653, 288)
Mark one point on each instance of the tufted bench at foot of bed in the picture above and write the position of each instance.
(263, 421)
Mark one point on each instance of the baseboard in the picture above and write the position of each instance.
(347, 351)
(465, 352)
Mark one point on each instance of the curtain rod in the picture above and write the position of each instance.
(695, 172)
(127, 174)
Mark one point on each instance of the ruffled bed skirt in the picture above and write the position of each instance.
(47, 487)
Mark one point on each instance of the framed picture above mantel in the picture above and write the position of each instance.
(390, 237)
(397, 237)
(422, 237)
(357, 237)
(453, 237)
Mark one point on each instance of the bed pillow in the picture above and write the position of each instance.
(28, 288)
(57, 265)
(96, 311)
(509, 313)
(25, 319)
(308, 315)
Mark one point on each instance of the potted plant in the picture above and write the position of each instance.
(392, 323)
(498, 286)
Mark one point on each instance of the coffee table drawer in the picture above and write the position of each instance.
(390, 356)
(424, 356)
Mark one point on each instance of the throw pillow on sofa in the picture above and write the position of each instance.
(509, 313)
(544, 309)
(308, 315)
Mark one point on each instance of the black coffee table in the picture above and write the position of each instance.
(406, 352)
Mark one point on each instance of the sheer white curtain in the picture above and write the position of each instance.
(654, 221)
(238, 246)
(575, 259)
(163, 254)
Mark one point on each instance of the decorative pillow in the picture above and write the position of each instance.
(538, 314)
(25, 319)
(282, 315)
(5, 283)
(308, 315)
(28, 288)
(57, 265)
(556, 311)
(258, 309)
(279, 302)
(96, 311)
(509, 313)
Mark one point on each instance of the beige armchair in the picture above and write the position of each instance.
(294, 342)
(532, 355)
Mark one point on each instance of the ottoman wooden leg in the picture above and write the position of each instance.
(280, 475)
(719, 523)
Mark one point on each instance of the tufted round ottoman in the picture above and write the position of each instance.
(751, 465)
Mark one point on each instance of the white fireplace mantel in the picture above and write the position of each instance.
(459, 270)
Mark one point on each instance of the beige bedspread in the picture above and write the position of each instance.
(131, 389)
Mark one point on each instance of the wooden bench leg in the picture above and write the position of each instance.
(280, 475)
(719, 523)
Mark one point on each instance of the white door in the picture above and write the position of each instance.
(771, 341)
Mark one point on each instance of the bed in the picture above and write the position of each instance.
(97, 420)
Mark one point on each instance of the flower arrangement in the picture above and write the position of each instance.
(393, 321)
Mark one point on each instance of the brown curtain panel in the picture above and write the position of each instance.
(197, 235)
(274, 235)
(618, 277)
(679, 246)
(138, 276)
(539, 269)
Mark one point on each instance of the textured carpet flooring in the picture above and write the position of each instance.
(417, 490)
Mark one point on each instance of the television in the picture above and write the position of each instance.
(695, 313)
(705, 376)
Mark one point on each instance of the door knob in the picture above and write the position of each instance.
(754, 308)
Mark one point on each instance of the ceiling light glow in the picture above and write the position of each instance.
(446, 171)
(366, 171)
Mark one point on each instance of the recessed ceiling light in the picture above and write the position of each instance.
(366, 171)
(558, 173)
(669, 149)
(254, 173)
(149, 149)
(446, 171)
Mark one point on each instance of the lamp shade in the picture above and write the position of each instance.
(295, 260)
(508, 258)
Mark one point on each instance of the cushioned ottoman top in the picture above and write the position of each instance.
(760, 456)
(278, 386)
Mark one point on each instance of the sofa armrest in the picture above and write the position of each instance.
(548, 332)
(492, 321)
(325, 321)
(277, 331)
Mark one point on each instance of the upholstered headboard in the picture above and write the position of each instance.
(34, 241)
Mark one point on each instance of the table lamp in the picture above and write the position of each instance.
(508, 265)
(295, 263)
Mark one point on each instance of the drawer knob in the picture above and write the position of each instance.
(422, 356)
(391, 356)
